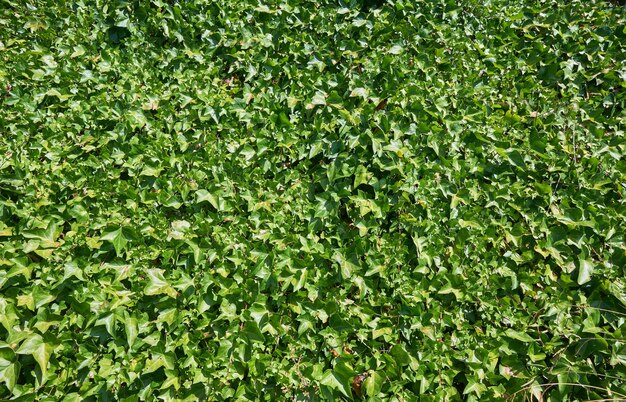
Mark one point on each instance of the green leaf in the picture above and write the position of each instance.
(117, 238)
(131, 327)
(204, 195)
(585, 270)
(360, 176)
(520, 336)
(474, 387)
(319, 99)
(35, 346)
(359, 92)
(400, 355)
(158, 285)
(109, 322)
(373, 384)
(334, 381)
(396, 49)
(9, 368)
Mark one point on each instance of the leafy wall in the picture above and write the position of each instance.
(312, 200)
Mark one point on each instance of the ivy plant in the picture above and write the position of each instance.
(312, 200)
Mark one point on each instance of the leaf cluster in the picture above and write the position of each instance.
(330, 200)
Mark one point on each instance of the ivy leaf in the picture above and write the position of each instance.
(204, 195)
(131, 326)
(373, 384)
(400, 355)
(585, 271)
(474, 387)
(158, 285)
(117, 238)
(359, 92)
(35, 346)
(396, 49)
(335, 381)
(360, 176)
(9, 368)
(520, 336)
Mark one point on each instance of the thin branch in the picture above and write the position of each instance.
(598, 308)
(571, 384)
(606, 400)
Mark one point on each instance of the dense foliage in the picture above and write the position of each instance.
(312, 200)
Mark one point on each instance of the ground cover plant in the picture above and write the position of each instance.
(299, 200)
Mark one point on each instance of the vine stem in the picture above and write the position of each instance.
(574, 142)
(572, 384)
